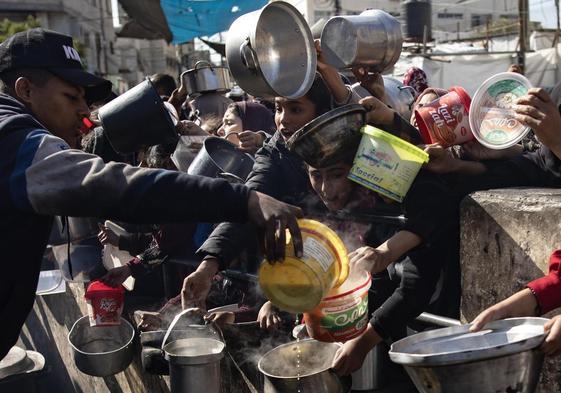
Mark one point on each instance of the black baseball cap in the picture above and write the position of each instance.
(53, 52)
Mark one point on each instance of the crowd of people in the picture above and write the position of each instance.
(53, 166)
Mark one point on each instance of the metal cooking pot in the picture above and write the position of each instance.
(311, 374)
(137, 118)
(194, 361)
(205, 77)
(398, 96)
(101, 350)
(271, 52)
(329, 137)
(372, 39)
(220, 156)
(503, 357)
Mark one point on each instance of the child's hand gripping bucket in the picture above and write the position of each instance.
(386, 164)
(446, 120)
(298, 285)
(343, 314)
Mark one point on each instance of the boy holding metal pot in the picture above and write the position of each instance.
(45, 96)
(407, 260)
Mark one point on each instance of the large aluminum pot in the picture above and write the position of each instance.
(503, 357)
(101, 350)
(284, 373)
(328, 137)
(398, 96)
(271, 52)
(205, 77)
(372, 39)
(219, 156)
(137, 118)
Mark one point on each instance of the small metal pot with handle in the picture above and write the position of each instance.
(194, 362)
(372, 39)
(205, 77)
(271, 52)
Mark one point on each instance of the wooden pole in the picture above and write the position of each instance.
(523, 32)
(556, 39)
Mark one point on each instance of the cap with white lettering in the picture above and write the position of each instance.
(54, 52)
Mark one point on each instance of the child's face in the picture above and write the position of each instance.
(332, 185)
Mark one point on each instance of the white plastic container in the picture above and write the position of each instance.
(491, 115)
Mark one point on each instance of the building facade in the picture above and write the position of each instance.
(450, 18)
(88, 21)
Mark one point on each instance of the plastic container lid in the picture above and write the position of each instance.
(491, 116)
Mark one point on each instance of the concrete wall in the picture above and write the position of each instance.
(506, 239)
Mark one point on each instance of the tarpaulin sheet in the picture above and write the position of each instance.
(179, 21)
(188, 19)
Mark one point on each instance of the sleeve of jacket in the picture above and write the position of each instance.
(548, 289)
(49, 178)
(229, 239)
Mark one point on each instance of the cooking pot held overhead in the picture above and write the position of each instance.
(271, 52)
(205, 77)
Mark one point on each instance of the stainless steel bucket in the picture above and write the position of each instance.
(372, 39)
(271, 52)
(220, 156)
(194, 365)
(101, 350)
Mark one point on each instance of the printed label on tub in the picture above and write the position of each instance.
(378, 166)
(344, 319)
(316, 250)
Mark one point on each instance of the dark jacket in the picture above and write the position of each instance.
(40, 177)
(277, 172)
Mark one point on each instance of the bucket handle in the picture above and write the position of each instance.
(203, 62)
(248, 55)
(173, 323)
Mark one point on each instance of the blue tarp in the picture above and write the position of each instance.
(188, 19)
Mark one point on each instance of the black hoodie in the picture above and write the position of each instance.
(40, 177)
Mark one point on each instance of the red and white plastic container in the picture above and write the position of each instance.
(446, 119)
(105, 304)
(343, 314)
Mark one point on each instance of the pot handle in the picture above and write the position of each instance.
(249, 58)
(203, 62)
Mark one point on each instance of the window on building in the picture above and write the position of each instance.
(449, 15)
(480, 19)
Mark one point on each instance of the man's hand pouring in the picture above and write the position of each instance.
(274, 218)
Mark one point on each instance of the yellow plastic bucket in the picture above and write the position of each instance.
(298, 284)
(386, 164)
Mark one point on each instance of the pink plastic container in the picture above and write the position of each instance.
(446, 119)
(105, 304)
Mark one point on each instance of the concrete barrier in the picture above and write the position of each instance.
(506, 239)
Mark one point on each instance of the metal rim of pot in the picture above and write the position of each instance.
(398, 352)
(127, 323)
(204, 156)
(243, 59)
(320, 121)
(113, 111)
(302, 342)
(204, 358)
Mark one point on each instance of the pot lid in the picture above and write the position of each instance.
(457, 344)
(20, 361)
